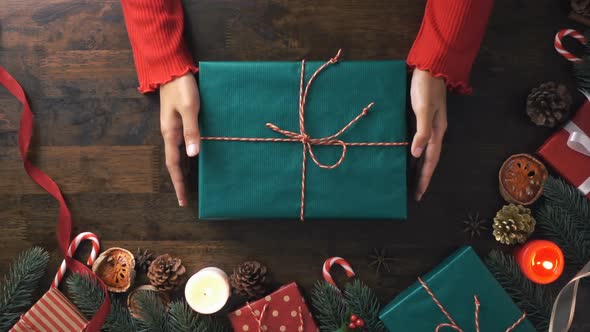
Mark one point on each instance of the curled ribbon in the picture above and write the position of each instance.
(562, 314)
(452, 324)
(303, 137)
(578, 140)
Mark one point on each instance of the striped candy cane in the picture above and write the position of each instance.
(559, 46)
(338, 261)
(72, 249)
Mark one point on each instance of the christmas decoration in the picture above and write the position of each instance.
(563, 218)
(513, 224)
(132, 303)
(335, 307)
(521, 179)
(63, 316)
(564, 308)
(116, 268)
(581, 66)
(369, 176)
(379, 259)
(460, 289)
(208, 290)
(166, 272)
(549, 104)
(474, 225)
(530, 297)
(250, 279)
(541, 261)
(283, 310)
(568, 150)
(143, 259)
(19, 285)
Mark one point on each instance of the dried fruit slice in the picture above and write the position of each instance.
(116, 268)
(522, 177)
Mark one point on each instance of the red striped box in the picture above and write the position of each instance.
(52, 313)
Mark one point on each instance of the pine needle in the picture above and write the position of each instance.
(183, 318)
(152, 312)
(330, 306)
(363, 302)
(88, 296)
(20, 284)
(559, 193)
(530, 297)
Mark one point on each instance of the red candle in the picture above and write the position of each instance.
(541, 261)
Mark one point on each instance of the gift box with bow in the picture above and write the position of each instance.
(568, 150)
(297, 139)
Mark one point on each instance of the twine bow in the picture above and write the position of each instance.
(259, 319)
(452, 324)
(304, 138)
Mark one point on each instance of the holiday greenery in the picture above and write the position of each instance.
(20, 284)
(335, 308)
(153, 315)
(530, 297)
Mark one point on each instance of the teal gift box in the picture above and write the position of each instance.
(240, 177)
(454, 283)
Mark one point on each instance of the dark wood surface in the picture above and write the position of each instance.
(99, 138)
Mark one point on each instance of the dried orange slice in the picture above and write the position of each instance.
(116, 268)
(522, 177)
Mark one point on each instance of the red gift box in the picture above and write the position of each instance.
(52, 313)
(282, 311)
(568, 150)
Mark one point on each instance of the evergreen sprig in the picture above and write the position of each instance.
(363, 302)
(152, 312)
(20, 284)
(330, 306)
(530, 297)
(559, 193)
(88, 296)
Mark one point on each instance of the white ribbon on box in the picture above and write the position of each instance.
(579, 141)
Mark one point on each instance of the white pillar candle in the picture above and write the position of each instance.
(207, 291)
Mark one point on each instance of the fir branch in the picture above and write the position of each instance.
(561, 194)
(152, 312)
(558, 225)
(20, 284)
(183, 318)
(363, 302)
(330, 306)
(87, 295)
(528, 296)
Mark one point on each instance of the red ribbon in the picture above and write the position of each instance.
(64, 225)
(302, 136)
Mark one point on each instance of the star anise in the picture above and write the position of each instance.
(380, 260)
(474, 225)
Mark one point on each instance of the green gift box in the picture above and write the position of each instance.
(248, 170)
(454, 283)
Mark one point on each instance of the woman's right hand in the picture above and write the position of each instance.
(179, 111)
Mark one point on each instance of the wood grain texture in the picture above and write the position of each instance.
(99, 138)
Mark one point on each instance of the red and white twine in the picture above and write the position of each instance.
(559, 46)
(72, 249)
(336, 261)
(452, 323)
(302, 136)
(259, 318)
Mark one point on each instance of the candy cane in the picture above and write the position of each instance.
(72, 249)
(559, 47)
(338, 261)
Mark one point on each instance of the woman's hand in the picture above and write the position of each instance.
(429, 101)
(179, 110)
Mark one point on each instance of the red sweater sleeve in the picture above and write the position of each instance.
(449, 39)
(155, 31)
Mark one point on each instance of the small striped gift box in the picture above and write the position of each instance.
(53, 312)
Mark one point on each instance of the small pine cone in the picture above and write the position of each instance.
(143, 259)
(549, 104)
(166, 272)
(581, 7)
(513, 224)
(250, 279)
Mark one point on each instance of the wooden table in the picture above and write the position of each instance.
(99, 138)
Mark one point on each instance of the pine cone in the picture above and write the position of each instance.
(250, 279)
(581, 7)
(143, 259)
(166, 272)
(513, 224)
(549, 104)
